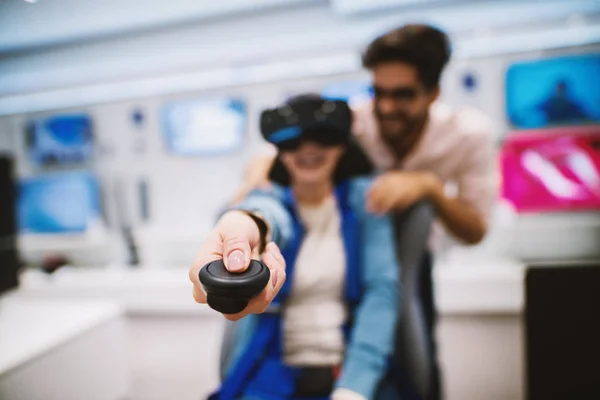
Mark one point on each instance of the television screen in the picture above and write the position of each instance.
(66, 202)
(204, 126)
(555, 170)
(353, 92)
(553, 92)
(60, 140)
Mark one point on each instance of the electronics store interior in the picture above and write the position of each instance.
(171, 170)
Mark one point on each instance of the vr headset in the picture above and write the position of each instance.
(313, 118)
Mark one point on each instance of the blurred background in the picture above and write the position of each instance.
(126, 126)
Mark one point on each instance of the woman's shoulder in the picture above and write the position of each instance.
(357, 192)
(361, 183)
(272, 190)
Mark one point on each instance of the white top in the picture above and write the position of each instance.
(316, 311)
(32, 327)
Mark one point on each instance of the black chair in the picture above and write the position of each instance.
(413, 350)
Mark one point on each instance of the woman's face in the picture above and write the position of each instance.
(312, 163)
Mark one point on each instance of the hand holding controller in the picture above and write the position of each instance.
(227, 274)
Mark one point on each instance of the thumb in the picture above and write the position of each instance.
(236, 255)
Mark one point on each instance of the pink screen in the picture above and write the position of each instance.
(552, 170)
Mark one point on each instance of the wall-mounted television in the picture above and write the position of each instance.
(210, 126)
(65, 202)
(353, 92)
(61, 140)
(554, 92)
(552, 170)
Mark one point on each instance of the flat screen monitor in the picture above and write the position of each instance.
(554, 92)
(60, 140)
(353, 92)
(204, 126)
(552, 170)
(66, 202)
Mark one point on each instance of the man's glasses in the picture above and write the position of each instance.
(401, 94)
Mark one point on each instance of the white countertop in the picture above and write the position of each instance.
(483, 286)
(138, 290)
(31, 327)
(480, 287)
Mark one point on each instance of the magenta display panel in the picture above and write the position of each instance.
(552, 170)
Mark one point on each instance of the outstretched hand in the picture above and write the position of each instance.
(236, 239)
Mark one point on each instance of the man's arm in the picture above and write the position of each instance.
(460, 218)
(398, 190)
(465, 216)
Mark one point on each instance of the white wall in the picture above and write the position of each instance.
(186, 193)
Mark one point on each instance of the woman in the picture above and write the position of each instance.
(323, 327)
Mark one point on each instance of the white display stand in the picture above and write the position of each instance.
(62, 350)
(485, 287)
(95, 248)
(140, 291)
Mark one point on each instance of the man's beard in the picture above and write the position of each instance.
(402, 140)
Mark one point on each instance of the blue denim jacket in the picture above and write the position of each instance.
(372, 333)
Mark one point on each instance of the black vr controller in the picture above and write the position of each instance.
(230, 293)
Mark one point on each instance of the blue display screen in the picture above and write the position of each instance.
(204, 126)
(353, 92)
(60, 140)
(58, 203)
(554, 92)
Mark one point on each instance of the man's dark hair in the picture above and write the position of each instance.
(422, 46)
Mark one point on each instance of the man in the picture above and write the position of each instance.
(420, 143)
